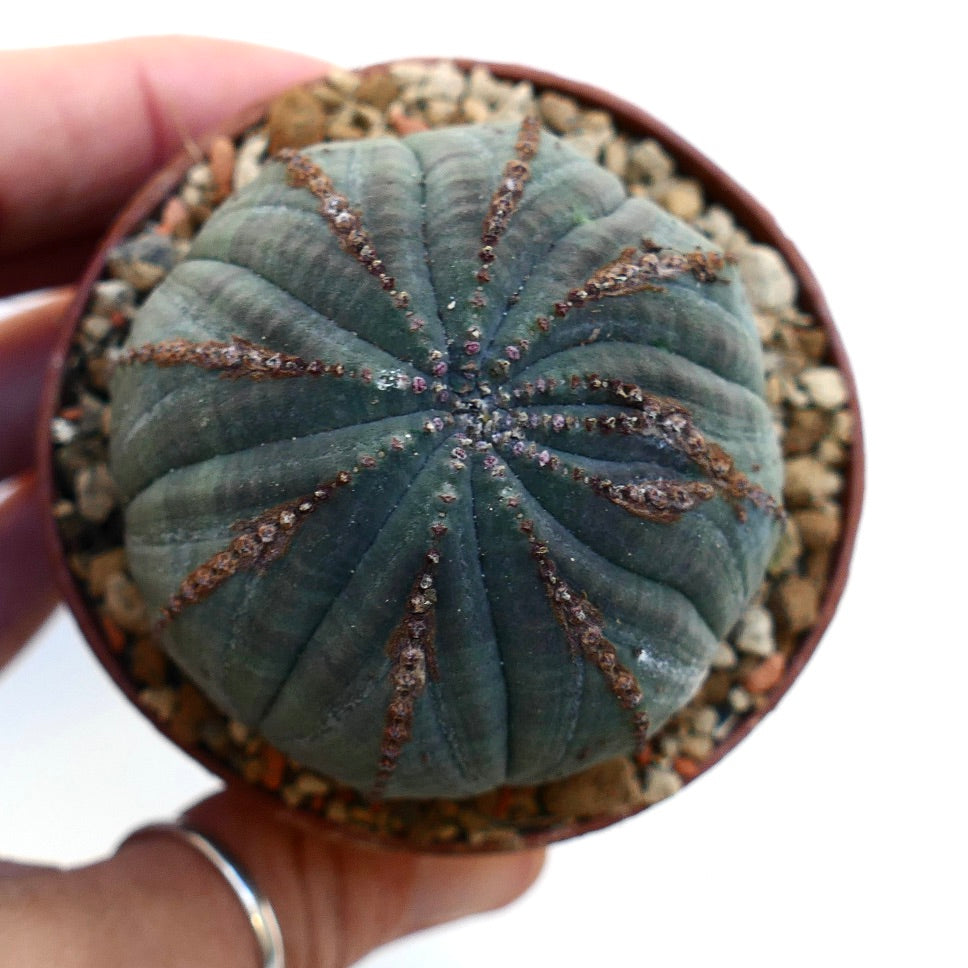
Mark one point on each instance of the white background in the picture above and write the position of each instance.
(835, 834)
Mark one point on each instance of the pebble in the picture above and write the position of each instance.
(740, 701)
(818, 569)
(62, 431)
(113, 296)
(687, 767)
(650, 162)
(378, 89)
(594, 120)
(788, 549)
(769, 283)
(608, 787)
(810, 340)
(96, 493)
(766, 675)
(718, 225)
(799, 602)
(248, 161)
(440, 80)
(754, 634)
(826, 387)
(559, 112)
(810, 482)
(346, 126)
(439, 112)
(704, 720)
(697, 746)
(683, 198)
(820, 528)
(343, 81)
(176, 219)
(807, 428)
(160, 702)
(842, 427)
(792, 393)
(496, 839)
(124, 603)
(715, 687)
(310, 785)
(198, 187)
(773, 391)
(402, 123)
(336, 811)
(96, 328)
(519, 101)
(92, 413)
(660, 783)
(148, 662)
(191, 709)
(101, 567)
(766, 327)
(617, 156)
(296, 119)
(588, 144)
(724, 729)
(831, 452)
(143, 261)
(482, 84)
(725, 657)
(221, 159)
(475, 110)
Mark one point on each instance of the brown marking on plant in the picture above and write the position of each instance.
(259, 541)
(654, 500)
(670, 422)
(581, 623)
(507, 196)
(235, 359)
(637, 270)
(345, 222)
(413, 658)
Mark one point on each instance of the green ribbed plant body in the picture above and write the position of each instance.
(446, 464)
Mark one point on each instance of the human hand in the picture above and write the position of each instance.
(82, 128)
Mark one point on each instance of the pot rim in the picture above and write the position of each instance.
(718, 187)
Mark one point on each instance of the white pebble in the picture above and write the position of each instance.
(807, 479)
(704, 720)
(725, 657)
(660, 784)
(740, 700)
(697, 746)
(248, 161)
(826, 387)
(769, 283)
(754, 635)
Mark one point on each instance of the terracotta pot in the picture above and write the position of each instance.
(718, 188)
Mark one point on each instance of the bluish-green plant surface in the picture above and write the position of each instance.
(446, 463)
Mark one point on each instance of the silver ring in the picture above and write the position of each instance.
(258, 910)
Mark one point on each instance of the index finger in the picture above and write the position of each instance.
(83, 126)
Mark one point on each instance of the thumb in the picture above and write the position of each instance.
(337, 899)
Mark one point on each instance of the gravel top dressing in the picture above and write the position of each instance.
(808, 396)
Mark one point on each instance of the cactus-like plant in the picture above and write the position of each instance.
(446, 463)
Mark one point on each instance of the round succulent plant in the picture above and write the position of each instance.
(445, 462)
